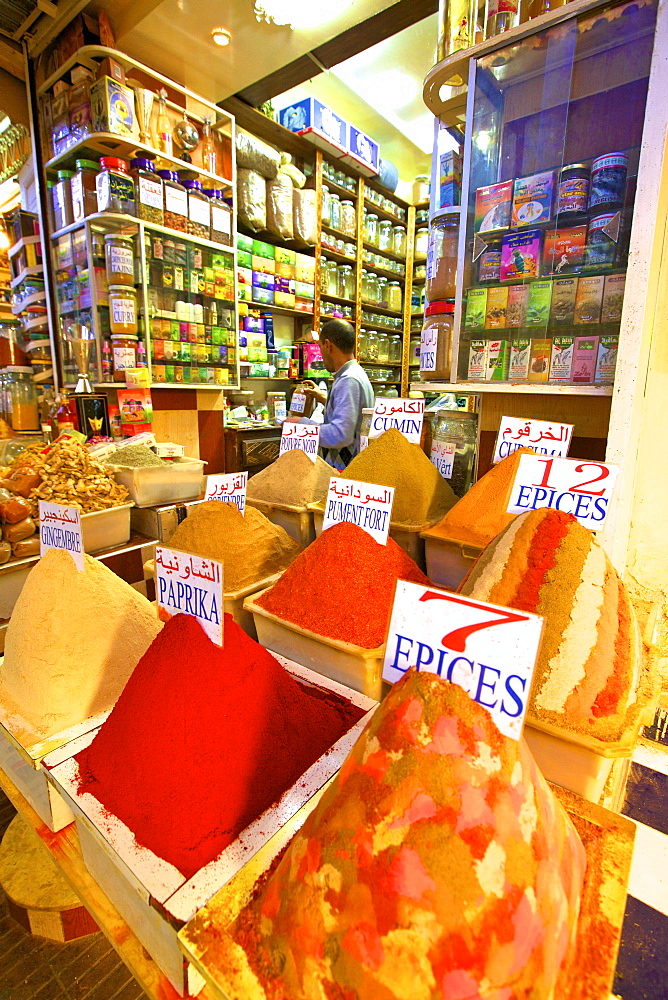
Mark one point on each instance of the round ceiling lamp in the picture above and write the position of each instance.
(221, 36)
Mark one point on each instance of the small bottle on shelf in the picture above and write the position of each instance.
(106, 361)
(501, 16)
(209, 155)
(163, 128)
(141, 355)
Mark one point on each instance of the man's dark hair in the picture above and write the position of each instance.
(341, 334)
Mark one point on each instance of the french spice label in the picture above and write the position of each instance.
(150, 193)
(121, 260)
(123, 311)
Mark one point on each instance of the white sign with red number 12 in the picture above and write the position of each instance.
(487, 650)
(575, 486)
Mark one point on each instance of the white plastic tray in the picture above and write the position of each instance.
(105, 529)
(181, 479)
(297, 522)
(570, 765)
(448, 560)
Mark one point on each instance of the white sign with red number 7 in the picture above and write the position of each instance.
(487, 650)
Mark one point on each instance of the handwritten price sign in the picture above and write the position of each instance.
(60, 528)
(190, 585)
(575, 486)
(545, 438)
(443, 456)
(363, 504)
(229, 488)
(404, 414)
(487, 650)
(306, 437)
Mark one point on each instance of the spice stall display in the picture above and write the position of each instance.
(590, 685)
(452, 545)
(438, 863)
(284, 489)
(330, 610)
(206, 754)
(150, 480)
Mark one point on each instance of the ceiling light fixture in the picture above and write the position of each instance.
(221, 36)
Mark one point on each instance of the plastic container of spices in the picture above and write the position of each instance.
(221, 217)
(122, 310)
(148, 191)
(489, 262)
(176, 201)
(119, 259)
(443, 242)
(115, 188)
(199, 210)
(608, 183)
(436, 341)
(123, 354)
(84, 189)
(600, 249)
(573, 191)
(62, 200)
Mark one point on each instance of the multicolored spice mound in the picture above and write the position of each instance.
(342, 586)
(437, 866)
(588, 672)
(202, 740)
(482, 512)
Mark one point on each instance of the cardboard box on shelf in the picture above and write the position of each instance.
(113, 108)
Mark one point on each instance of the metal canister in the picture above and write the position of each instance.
(573, 192)
(608, 182)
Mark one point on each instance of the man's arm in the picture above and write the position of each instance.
(310, 389)
(339, 429)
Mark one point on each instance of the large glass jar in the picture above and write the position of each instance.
(383, 347)
(395, 350)
(348, 218)
(332, 278)
(122, 310)
(363, 346)
(436, 341)
(119, 259)
(334, 211)
(62, 200)
(371, 229)
(373, 288)
(323, 276)
(383, 298)
(123, 354)
(22, 398)
(442, 258)
(324, 205)
(461, 429)
(221, 217)
(176, 201)
(414, 351)
(395, 297)
(384, 235)
(372, 346)
(115, 188)
(421, 241)
(399, 240)
(199, 210)
(421, 186)
(84, 190)
(148, 191)
(365, 285)
(346, 281)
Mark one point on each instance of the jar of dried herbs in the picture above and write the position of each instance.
(199, 210)
(148, 191)
(176, 201)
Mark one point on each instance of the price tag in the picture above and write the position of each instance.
(428, 345)
(487, 650)
(306, 437)
(60, 528)
(575, 486)
(546, 438)
(404, 414)
(364, 504)
(443, 455)
(229, 488)
(190, 585)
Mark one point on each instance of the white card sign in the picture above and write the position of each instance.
(60, 528)
(364, 504)
(575, 486)
(443, 456)
(428, 345)
(487, 650)
(190, 585)
(406, 415)
(544, 437)
(305, 437)
(230, 488)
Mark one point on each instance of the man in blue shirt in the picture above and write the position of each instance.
(351, 391)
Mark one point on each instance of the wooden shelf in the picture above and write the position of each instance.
(338, 298)
(392, 275)
(386, 253)
(382, 310)
(339, 258)
(340, 235)
(279, 310)
(337, 188)
(518, 388)
(114, 220)
(373, 209)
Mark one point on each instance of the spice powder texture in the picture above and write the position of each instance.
(421, 494)
(438, 864)
(250, 547)
(203, 739)
(342, 586)
(293, 479)
(72, 642)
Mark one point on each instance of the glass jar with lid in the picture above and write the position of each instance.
(421, 189)
(114, 186)
(122, 310)
(384, 235)
(84, 189)
(436, 341)
(383, 347)
(371, 229)
(176, 201)
(442, 254)
(221, 217)
(372, 346)
(365, 285)
(324, 205)
(382, 292)
(334, 211)
(22, 401)
(323, 276)
(61, 194)
(461, 429)
(149, 197)
(373, 288)
(395, 298)
(414, 351)
(332, 278)
(399, 240)
(123, 354)
(120, 259)
(199, 210)
(421, 241)
(348, 218)
(346, 281)
(363, 344)
(395, 350)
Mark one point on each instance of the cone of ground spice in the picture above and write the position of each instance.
(421, 494)
(481, 513)
(293, 479)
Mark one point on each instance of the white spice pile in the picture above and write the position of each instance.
(293, 479)
(72, 642)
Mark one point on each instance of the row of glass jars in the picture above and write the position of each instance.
(387, 263)
(392, 322)
(382, 234)
(338, 213)
(337, 279)
(380, 291)
(339, 177)
(385, 203)
(330, 242)
(336, 310)
(374, 345)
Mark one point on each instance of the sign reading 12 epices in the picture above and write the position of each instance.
(487, 650)
(572, 485)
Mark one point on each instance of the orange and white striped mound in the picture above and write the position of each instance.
(588, 674)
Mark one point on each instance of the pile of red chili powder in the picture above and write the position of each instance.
(202, 740)
(342, 586)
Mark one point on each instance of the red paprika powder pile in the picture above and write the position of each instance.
(342, 586)
(202, 740)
